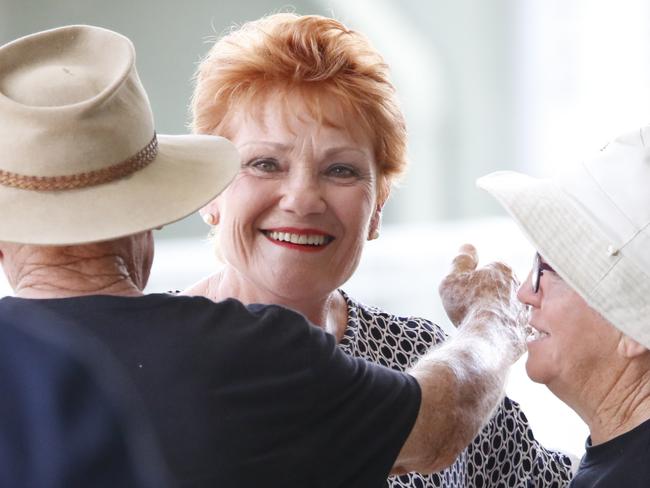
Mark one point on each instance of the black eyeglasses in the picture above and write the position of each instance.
(538, 269)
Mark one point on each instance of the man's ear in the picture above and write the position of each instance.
(629, 348)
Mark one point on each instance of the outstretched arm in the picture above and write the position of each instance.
(462, 380)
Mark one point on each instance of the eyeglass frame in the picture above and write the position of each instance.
(539, 267)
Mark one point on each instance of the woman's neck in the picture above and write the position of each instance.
(617, 404)
(328, 312)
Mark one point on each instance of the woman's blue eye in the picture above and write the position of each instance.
(266, 165)
(342, 171)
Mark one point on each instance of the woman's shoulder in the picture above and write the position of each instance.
(200, 288)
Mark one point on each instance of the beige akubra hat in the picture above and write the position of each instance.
(79, 157)
(592, 226)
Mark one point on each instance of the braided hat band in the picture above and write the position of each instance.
(82, 180)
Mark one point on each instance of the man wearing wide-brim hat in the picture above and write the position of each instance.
(239, 396)
(589, 296)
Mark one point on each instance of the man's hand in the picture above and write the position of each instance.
(469, 292)
(462, 380)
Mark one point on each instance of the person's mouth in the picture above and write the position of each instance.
(301, 239)
(536, 335)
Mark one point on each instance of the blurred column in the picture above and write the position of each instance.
(416, 73)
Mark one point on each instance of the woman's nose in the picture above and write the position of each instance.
(303, 195)
(525, 292)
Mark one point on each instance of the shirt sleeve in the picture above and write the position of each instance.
(368, 412)
(315, 416)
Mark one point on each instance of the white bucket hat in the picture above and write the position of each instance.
(79, 157)
(592, 226)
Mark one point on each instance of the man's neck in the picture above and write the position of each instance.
(61, 272)
(88, 277)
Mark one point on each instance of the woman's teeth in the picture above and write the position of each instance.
(536, 335)
(307, 239)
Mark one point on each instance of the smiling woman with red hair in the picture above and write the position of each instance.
(316, 58)
(309, 104)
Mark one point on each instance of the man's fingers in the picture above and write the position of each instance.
(466, 260)
(501, 268)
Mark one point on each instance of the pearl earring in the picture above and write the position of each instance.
(209, 219)
(374, 235)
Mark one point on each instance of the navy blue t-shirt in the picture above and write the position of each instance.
(247, 396)
(68, 418)
(620, 462)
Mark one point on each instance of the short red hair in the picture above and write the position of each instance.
(313, 55)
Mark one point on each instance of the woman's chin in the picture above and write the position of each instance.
(538, 369)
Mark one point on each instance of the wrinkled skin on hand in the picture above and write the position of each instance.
(468, 291)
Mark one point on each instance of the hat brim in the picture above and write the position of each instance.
(188, 172)
(577, 249)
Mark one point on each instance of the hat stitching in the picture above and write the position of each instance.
(636, 233)
(606, 195)
(605, 274)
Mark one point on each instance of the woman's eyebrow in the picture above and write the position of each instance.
(287, 147)
(339, 149)
(276, 145)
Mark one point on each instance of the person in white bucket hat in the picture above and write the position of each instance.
(238, 395)
(589, 298)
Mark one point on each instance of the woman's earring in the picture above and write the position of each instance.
(209, 219)
(375, 224)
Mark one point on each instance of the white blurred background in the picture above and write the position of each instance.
(531, 85)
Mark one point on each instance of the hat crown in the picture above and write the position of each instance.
(623, 173)
(612, 188)
(70, 102)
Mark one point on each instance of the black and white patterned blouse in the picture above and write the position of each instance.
(505, 454)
